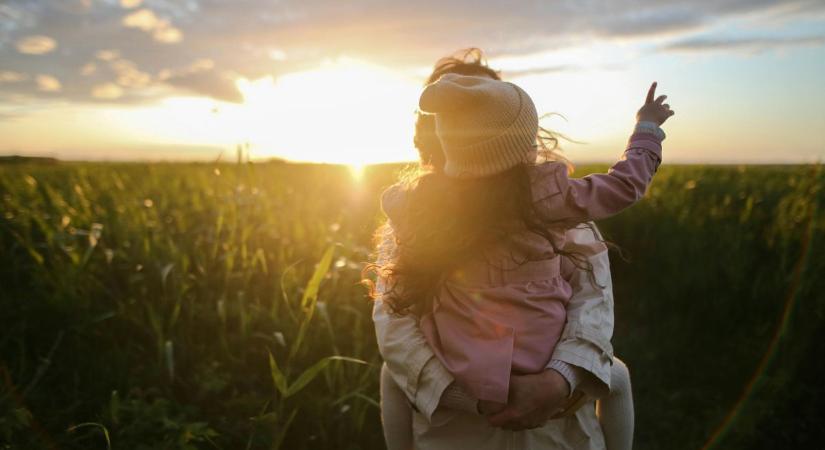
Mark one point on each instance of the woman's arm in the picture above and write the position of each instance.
(585, 340)
(410, 360)
(583, 355)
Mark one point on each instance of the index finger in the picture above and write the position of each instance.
(651, 93)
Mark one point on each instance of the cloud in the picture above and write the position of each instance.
(128, 75)
(9, 116)
(220, 86)
(202, 78)
(538, 71)
(277, 54)
(129, 4)
(8, 76)
(36, 45)
(107, 55)
(144, 19)
(160, 29)
(47, 83)
(147, 48)
(747, 44)
(88, 69)
(107, 91)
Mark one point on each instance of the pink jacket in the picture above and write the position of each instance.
(497, 314)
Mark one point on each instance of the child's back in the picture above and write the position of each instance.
(502, 309)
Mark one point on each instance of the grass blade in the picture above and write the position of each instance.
(278, 378)
(313, 371)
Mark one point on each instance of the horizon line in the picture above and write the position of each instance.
(7, 159)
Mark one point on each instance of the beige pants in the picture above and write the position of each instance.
(396, 414)
(615, 412)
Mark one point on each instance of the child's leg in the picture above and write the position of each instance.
(396, 414)
(616, 410)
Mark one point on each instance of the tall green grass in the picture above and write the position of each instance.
(204, 306)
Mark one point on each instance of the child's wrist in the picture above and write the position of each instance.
(650, 127)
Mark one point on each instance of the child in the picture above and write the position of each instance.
(480, 246)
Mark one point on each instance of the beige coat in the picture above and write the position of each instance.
(585, 342)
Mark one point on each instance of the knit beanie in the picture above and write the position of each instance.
(485, 126)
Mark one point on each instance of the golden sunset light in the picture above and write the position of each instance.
(345, 111)
(396, 225)
(178, 82)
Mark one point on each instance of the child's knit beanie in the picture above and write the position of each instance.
(485, 126)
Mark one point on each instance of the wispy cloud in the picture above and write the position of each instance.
(516, 73)
(48, 83)
(139, 50)
(214, 84)
(36, 45)
(128, 4)
(746, 44)
(8, 76)
(160, 29)
(107, 91)
(8, 116)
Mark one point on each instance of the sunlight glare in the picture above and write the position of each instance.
(357, 171)
(346, 111)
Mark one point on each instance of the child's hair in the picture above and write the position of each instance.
(471, 62)
(447, 220)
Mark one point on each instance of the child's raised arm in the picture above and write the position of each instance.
(598, 196)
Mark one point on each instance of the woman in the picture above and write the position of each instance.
(446, 416)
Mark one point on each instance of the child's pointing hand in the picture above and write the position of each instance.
(654, 110)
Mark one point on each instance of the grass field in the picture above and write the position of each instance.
(218, 306)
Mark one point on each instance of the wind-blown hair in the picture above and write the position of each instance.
(447, 221)
(469, 62)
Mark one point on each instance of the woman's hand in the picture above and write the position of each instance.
(654, 110)
(533, 399)
(487, 407)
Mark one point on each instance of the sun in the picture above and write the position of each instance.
(357, 171)
(345, 111)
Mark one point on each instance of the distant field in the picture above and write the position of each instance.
(140, 304)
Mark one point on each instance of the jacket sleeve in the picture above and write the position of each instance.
(585, 340)
(601, 195)
(409, 358)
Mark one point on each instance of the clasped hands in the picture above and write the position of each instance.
(533, 399)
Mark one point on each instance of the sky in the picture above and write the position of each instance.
(338, 81)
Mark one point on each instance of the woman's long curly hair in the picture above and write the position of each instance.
(447, 221)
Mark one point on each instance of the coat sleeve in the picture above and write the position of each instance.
(585, 340)
(409, 358)
(597, 196)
